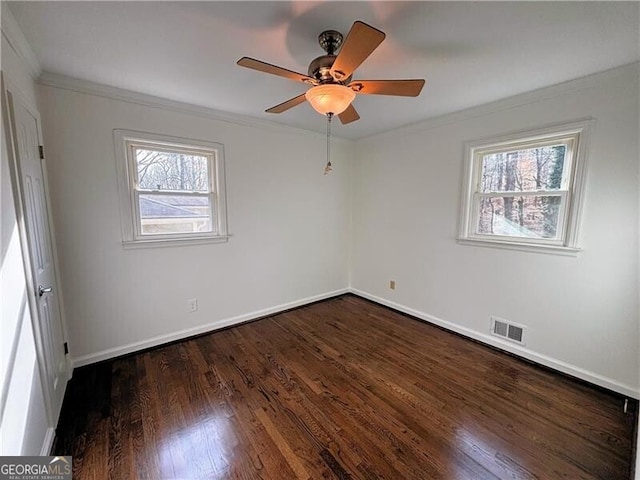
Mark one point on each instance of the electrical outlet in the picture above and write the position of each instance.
(392, 284)
(192, 305)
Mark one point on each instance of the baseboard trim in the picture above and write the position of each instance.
(541, 359)
(199, 330)
(47, 443)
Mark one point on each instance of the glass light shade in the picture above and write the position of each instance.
(330, 98)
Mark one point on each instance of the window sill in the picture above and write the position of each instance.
(522, 246)
(174, 242)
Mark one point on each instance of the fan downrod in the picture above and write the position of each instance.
(330, 41)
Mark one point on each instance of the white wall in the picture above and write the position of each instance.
(289, 225)
(581, 313)
(23, 417)
(637, 465)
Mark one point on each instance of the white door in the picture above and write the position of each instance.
(48, 327)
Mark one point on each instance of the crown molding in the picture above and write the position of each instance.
(64, 82)
(92, 88)
(18, 42)
(518, 100)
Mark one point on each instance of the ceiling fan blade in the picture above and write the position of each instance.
(349, 115)
(274, 70)
(284, 106)
(403, 88)
(361, 41)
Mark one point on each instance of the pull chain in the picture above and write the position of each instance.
(328, 168)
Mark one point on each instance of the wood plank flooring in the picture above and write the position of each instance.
(340, 389)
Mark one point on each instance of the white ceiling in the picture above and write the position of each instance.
(469, 52)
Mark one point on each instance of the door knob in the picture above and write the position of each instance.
(42, 290)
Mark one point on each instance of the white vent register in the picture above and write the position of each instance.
(508, 330)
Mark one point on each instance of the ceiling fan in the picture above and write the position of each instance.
(330, 75)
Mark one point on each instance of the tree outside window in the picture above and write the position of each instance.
(525, 189)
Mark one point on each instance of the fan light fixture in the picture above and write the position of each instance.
(331, 74)
(330, 98)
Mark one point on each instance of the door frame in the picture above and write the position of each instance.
(10, 94)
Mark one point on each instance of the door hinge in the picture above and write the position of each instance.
(66, 348)
(41, 150)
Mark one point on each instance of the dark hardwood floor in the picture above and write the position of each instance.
(339, 389)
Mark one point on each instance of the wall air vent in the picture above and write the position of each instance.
(507, 330)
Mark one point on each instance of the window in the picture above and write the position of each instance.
(171, 189)
(524, 190)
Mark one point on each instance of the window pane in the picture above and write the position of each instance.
(529, 169)
(529, 217)
(171, 171)
(164, 214)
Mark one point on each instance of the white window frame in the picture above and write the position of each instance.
(125, 142)
(576, 136)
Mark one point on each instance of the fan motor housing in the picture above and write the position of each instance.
(320, 69)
